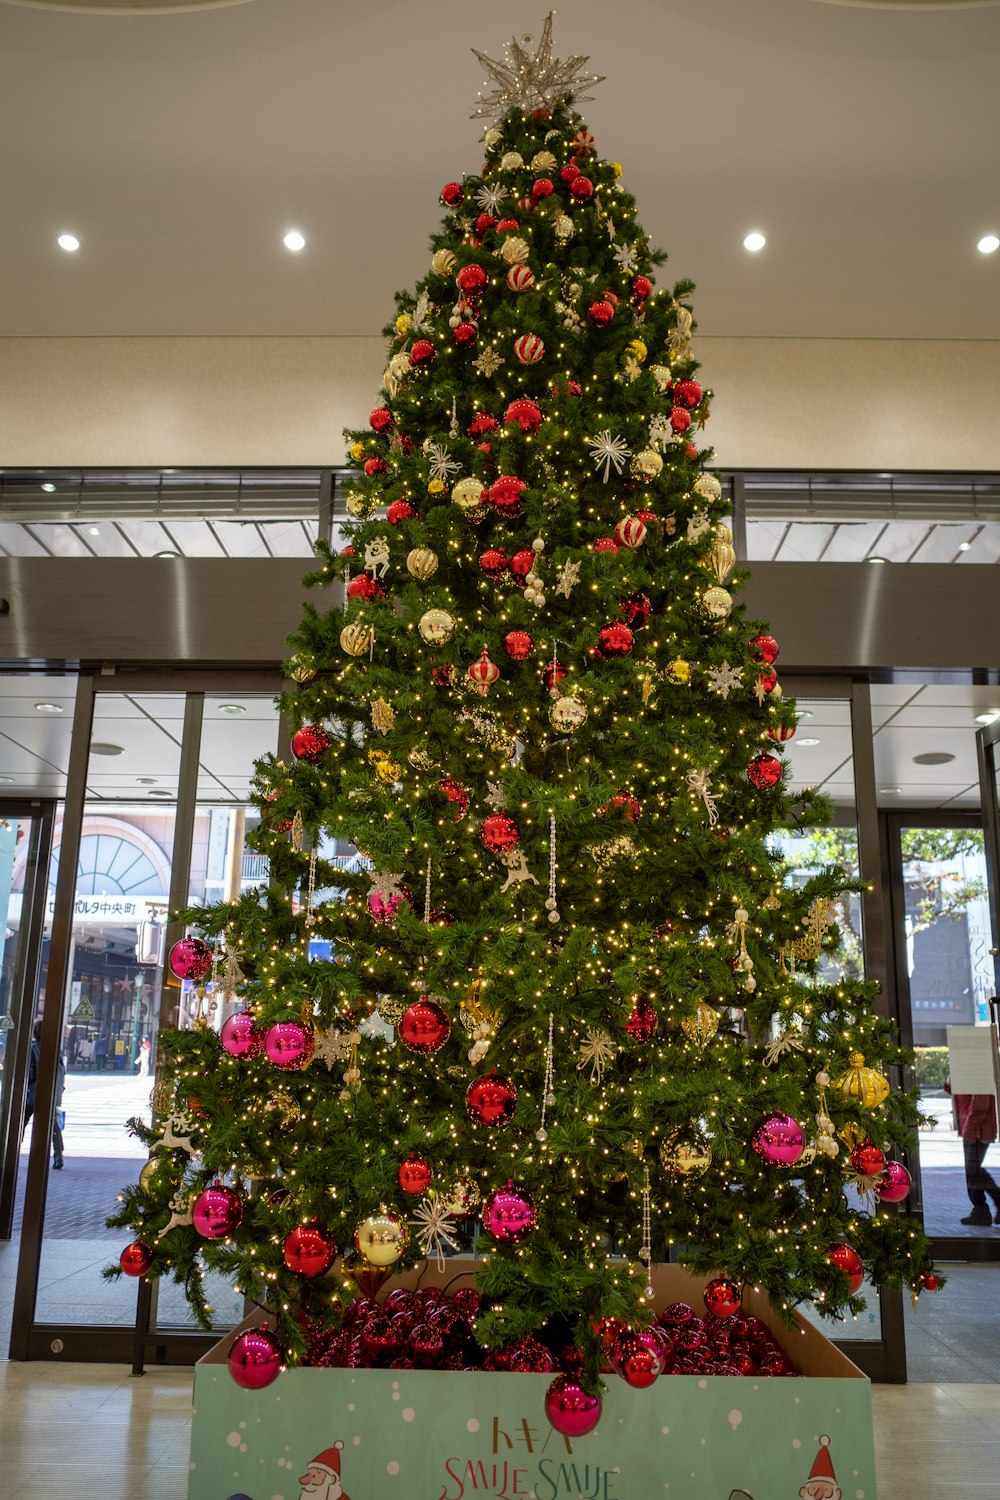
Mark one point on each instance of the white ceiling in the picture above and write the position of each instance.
(179, 148)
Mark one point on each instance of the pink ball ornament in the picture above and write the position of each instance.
(572, 1411)
(896, 1183)
(382, 908)
(509, 1214)
(254, 1359)
(289, 1044)
(190, 959)
(240, 1037)
(217, 1212)
(779, 1140)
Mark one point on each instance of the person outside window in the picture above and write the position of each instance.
(34, 1057)
(976, 1122)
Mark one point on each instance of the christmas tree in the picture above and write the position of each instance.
(569, 1003)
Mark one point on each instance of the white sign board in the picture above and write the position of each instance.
(970, 1056)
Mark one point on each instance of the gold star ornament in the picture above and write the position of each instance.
(529, 81)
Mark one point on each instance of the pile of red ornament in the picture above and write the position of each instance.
(425, 1329)
(739, 1344)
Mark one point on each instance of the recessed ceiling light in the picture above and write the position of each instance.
(933, 758)
(158, 794)
(295, 240)
(806, 742)
(6, 778)
(888, 791)
(231, 708)
(988, 244)
(68, 242)
(48, 488)
(105, 747)
(94, 530)
(754, 241)
(964, 546)
(874, 559)
(167, 553)
(989, 717)
(145, 781)
(803, 713)
(49, 708)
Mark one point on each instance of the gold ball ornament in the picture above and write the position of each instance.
(357, 452)
(679, 671)
(511, 161)
(567, 714)
(616, 167)
(515, 251)
(391, 1008)
(461, 1199)
(356, 639)
(442, 262)
(436, 487)
(638, 351)
(492, 138)
(702, 1026)
(662, 376)
(382, 1238)
(386, 769)
(468, 495)
(866, 1085)
(717, 603)
(564, 227)
(147, 1174)
(543, 162)
(399, 365)
(300, 669)
(708, 487)
(436, 626)
(685, 1158)
(422, 563)
(360, 505)
(403, 324)
(647, 464)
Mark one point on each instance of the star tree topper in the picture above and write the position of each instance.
(532, 80)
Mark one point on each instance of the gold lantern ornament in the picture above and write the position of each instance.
(381, 1238)
(722, 558)
(357, 638)
(717, 603)
(702, 1026)
(685, 1157)
(436, 626)
(422, 563)
(866, 1085)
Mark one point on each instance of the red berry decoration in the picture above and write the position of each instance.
(723, 1297)
(491, 1099)
(551, 674)
(310, 743)
(847, 1259)
(190, 958)
(600, 313)
(500, 833)
(614, 641)
(641, 291)
(482, 423)
(452, 194)
(522, 563)
(527, 414)
(381, 419)
(505, 493)
(868, 1160)
(636, 610)
(688, 392)
(472, 279)
(466, 335)
(643, 1022)
(457, 794)
(606, 544)
(424, 1027)
(582, 189)
(422, 353)
(375, 466)
(136, 1259)
(518, 645)
(764, 771)
(764, 648)
(398, 512)
(680, 418)
(542, 187)
(414, 1175)
(493, 563)
(309, 1250)
(364, 586)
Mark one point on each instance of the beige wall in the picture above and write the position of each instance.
(789, 403)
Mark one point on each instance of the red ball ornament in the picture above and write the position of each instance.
(614, 641)
(723, 1297)
(522, 563)
(525, 413)
(400, 511)
(240, 1037)
(457, 794)
(552, 674)
(896, 1183)
(505, 493)
(289, 1045)
(764, 771)
(422, 353)
(584, 143)
(518, 645)
(582, 189)
(381, 419)
(309, 1250)
(472, 279)
(310, 743)
(680, 419)
(254, 1359)
(781, 732)
(625, 802)
(764, 648)
(136, 1259)
(500, 833)
(484, 223)
(529, 349)
(929, 1282)
(636, 610)
(482, 423)
(868, 1160)
(493, 563)
(630, 532)
(570, 172)
(542, 187)
(217, 1212)
(520, 278)
(637, 1363)
(466, 335)
(571, 1410)
(511, 226)
(424, 1027)
(847, 1259)
(509, 1214)
(452, 194)
(643, 1022)
(600, 313)
(688, 392)
(641, 290)
(364, 586)
(414, 1175)
(375, 466)
(606, 544)
(491, 1099)
(190, 959)
(768, 680)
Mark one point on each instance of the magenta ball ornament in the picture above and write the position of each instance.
(571, 1410)
(509, 1214)
(896, 1183)
(190, 959)
(424, 1026)
(383, 909)
(217, 1211)
(779, 1140)
(240, 1037)
(289, 1044)
(254, 1359)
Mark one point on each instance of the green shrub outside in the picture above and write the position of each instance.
(931, 1067)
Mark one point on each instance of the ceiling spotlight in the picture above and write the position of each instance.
(874, 559)
(168, 553)
(49, 708)
(105, 747)
(48, 487)
(68, 242)
(754, 241)
(964, 546)
(145, 781)
(94, 530)
(807, 742)
(295, 240)
(989, 717)
(232, 709)
(988, 244)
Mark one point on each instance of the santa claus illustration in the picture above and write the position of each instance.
(822, 1482)
(321, 1481)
